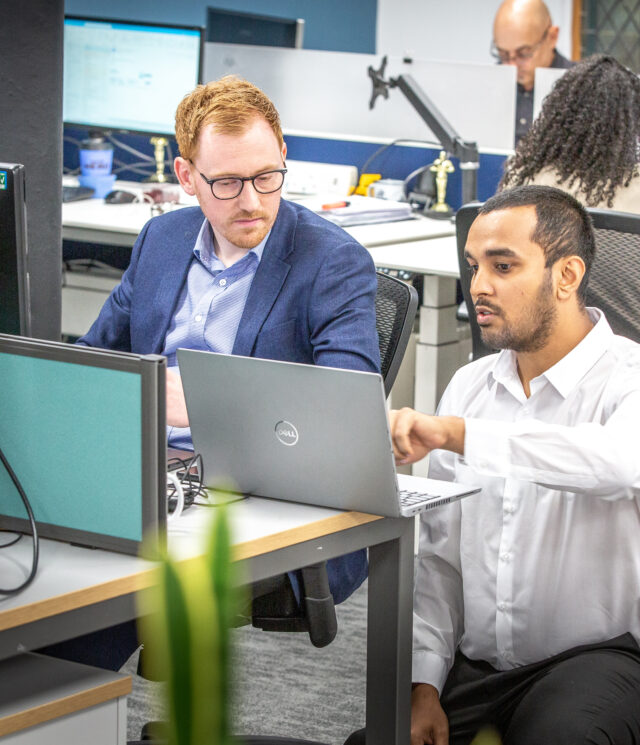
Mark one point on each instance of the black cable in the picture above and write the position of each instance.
(380, 150)
(34, 530)
(11, 543)
(189, 472)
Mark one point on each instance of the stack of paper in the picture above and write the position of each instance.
(359, 210)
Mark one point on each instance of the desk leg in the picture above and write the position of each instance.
(437, 351)
(389, 640)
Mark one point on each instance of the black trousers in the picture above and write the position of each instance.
(587, 695)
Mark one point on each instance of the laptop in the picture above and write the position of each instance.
(301, 433)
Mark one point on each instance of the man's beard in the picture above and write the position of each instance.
(531, 336)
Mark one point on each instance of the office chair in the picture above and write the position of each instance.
(464, 217)
(614, 282)
(274, 606)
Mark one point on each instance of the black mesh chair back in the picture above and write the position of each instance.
(396, 306)
(464, 217)
(614, 283)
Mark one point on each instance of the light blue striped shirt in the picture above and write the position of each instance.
(209, 309)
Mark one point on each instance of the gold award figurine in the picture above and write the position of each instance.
(441, 166)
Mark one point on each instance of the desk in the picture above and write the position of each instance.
(93, 221)
(79, 590)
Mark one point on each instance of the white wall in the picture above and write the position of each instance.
(456, 30)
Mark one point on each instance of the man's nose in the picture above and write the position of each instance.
(480, 284)
(249, 199)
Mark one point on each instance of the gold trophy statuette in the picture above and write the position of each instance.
(159, 144)
(441, 166)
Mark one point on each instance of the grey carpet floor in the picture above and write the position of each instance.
(283, 685)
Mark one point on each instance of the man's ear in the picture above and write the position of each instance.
(552, 35)
(184, 174)
(569, 272)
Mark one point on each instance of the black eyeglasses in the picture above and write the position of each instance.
(521, 54)
(230, 187)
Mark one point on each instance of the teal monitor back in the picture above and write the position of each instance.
(84, 431)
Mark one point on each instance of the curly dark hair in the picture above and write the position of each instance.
(588, 131)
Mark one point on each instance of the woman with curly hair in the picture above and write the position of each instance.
(586, 139)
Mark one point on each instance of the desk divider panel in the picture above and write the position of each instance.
(327, 93)
(84, 431)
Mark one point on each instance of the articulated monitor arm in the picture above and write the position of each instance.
(466, 152)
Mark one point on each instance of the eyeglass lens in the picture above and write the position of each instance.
(263, 183)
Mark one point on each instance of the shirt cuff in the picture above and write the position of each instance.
(428, 667)
(486, 445)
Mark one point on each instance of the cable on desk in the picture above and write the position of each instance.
(10, 543)
(381, 150)
(34, 530)
(189, 473)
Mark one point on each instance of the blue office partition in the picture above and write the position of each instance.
(84, 431)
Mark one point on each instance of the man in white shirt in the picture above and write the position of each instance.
(527, 596)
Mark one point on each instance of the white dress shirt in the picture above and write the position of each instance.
(547, 556)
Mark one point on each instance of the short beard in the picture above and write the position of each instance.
(536, 335)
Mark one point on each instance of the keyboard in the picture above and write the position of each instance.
(74, 193)
(410, 498)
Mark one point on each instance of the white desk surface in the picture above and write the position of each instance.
(71, 577)
(79, 590)
(438, 256)
(119, 224)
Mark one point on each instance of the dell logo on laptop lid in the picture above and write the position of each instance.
(286, 432)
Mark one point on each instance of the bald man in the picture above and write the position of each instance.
(524, 36)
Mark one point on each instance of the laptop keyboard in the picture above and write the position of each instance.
(409, 498)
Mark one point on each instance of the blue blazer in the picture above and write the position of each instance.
(311, 301)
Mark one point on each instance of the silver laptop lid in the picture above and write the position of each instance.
(296, 432)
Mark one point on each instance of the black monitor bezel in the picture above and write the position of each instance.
(124, 22)
(293, 23)
(17, 235)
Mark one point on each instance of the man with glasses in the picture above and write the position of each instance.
(524, 36)
(246, 272)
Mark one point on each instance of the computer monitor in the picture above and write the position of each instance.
(235, 27)
(84, 430)
(14, 277)
(128, 76)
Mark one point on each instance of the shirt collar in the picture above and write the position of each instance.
(565, 375)
(204, 251)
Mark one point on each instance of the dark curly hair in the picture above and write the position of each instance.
(588, 131)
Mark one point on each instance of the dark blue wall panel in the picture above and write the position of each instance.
(394, 162)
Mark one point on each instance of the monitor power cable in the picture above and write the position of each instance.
(34, 531)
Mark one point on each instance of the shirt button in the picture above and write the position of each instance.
(223, 283)
(523, 120)
(198, 318)
(502, 606)
(505, 556)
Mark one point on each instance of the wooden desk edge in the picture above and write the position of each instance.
(63, 706)
(140, 580)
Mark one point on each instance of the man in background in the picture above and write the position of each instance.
(524, 36)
